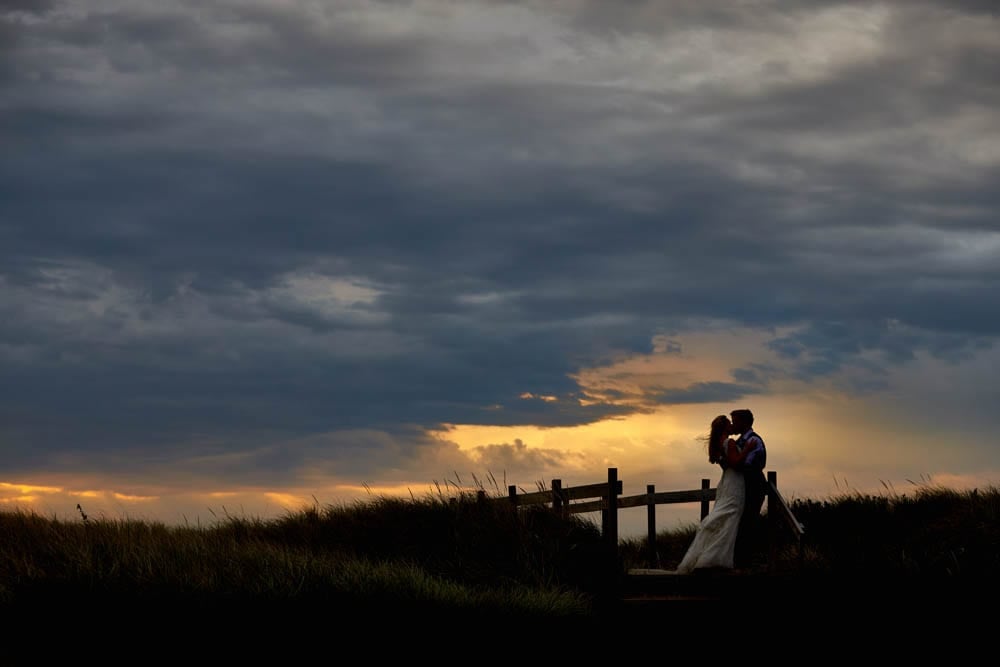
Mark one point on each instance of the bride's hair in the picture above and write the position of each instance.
(717, 439)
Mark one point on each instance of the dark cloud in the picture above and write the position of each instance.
(32, 6)
(259, 219)
(708, 392)
(754, 374)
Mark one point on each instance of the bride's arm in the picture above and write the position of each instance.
(733, 456)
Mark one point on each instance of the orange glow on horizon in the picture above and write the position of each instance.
(288, 500)
(30, 488)
(132, 498)
(19, 499)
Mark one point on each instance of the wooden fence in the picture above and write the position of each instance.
(605, 497)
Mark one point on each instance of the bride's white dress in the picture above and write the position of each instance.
(715, 540)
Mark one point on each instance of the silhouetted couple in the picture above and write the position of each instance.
(730, 536)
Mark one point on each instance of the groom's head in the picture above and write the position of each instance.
(742, 421)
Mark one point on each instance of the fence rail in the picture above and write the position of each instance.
(604, 497)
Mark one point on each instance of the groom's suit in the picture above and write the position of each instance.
(748, 537)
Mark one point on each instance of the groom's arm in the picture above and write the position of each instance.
(752, 458)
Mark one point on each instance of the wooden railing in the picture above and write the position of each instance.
(605, 497)
(779, 514)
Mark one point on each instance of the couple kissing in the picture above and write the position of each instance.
(729, 536)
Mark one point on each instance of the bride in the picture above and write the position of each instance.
(715, 540)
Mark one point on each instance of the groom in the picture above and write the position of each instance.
(748, 537)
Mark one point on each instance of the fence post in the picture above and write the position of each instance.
(705, 485)
(557, 500)
(512, 494)
(612, 522)
(651, 556)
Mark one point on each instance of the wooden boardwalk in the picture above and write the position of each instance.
(651, 588)
(669, 605)
(653, 585)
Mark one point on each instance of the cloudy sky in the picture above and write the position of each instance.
(264, 253)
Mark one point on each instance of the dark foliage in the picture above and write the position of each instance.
(479, 563)
(468, 539)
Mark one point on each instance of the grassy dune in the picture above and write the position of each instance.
(933, 532)
(457, 562)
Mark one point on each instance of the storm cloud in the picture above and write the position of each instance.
(226, 225)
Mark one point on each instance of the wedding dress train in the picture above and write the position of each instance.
(715, 540)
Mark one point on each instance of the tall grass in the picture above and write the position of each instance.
(463, 557)
(932, 531)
